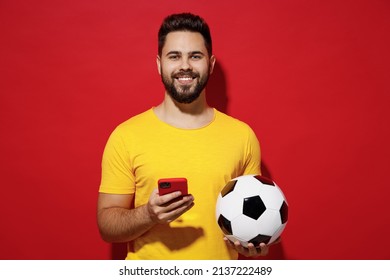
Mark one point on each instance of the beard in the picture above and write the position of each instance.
(184, 93)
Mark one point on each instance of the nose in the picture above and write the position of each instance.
(185, 64)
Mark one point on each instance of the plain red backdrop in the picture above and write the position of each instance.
(310, 77)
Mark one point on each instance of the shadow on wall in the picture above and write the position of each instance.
(217, 97)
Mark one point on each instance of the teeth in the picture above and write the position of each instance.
(185, 78)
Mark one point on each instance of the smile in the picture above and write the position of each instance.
(185, 78)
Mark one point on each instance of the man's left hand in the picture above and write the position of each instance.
(251, 250)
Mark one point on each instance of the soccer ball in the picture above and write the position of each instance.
(252, 209)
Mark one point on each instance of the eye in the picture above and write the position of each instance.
(174, 57)
(196, 57)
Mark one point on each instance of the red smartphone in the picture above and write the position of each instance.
(168, 185)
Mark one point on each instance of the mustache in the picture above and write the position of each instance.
(185, 73)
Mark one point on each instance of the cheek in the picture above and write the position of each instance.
(166, 70)
(166, 76)
(204, 68)
(165, 73)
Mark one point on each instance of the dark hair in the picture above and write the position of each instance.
(184, 22)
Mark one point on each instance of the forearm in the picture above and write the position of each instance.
(118, 224)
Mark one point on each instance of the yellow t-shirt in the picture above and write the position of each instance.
(144, 149)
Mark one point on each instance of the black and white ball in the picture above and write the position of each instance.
(252, 209)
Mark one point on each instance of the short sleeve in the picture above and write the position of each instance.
(117, 175)
(253, 154)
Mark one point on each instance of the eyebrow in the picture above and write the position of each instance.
(189, 53)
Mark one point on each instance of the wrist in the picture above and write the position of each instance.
(149, 214)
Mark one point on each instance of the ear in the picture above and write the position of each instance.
(212, 63)
(158, 61)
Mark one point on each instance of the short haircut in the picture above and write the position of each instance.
(184, 22)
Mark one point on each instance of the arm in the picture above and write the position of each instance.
(118, 223)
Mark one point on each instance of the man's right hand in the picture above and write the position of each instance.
(167, 208)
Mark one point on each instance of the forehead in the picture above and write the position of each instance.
(184, 41)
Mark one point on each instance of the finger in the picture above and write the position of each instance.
(252, 250)
(263, 248)
(173, 211)
(182, 208)
(239, 248)
(228, 242)
(178, 203)
(159, 206)
(163, 199)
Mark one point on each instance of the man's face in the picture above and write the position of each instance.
(185, 65)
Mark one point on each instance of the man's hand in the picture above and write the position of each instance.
(251, 250)
(167, 208)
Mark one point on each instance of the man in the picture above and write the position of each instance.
(181, 137)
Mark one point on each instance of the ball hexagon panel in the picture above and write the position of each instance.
(277, 233)
(272, 196)
(269, 222)
(231, 208)
(247, 186)
(246, 228)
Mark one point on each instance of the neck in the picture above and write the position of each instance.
(194, 115)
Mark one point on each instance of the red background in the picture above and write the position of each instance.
(310, 77)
